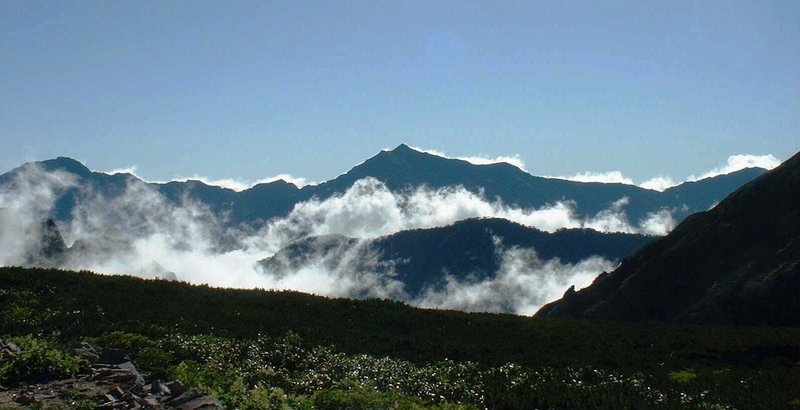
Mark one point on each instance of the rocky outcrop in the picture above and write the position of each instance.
(111, 381)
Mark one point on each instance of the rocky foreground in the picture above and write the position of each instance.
(108, 381)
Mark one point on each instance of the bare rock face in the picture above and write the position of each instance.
(48, 249)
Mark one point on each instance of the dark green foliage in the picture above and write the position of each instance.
(40, 360)
(360, 398)
(80, 304)
(262, 349)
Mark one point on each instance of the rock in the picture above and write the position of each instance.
(129, 367)
(186, 396)
(27, 398)
(12, 348)
(89, 356)
(114, 356)
(159, 388)
(176, 388)
(121, 373)
(150, 402)
(116, 392)
(202, 402)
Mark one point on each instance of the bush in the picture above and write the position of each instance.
(129, 342)
(682, 376)
(40, 361)
(154, 360)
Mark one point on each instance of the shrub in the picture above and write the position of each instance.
(682, 376)
(40, 360)
(129, 342)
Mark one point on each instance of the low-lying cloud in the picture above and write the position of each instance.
(610, 177)
(663, 182)
(514, 160)
(522, 284)
(234, 184)
(739, 162)
(142, 233)
(370, 209)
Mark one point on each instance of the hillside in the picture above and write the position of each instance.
(738, 263)
(238, 344)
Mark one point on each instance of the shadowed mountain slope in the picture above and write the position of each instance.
(469, 248)
(738, 263)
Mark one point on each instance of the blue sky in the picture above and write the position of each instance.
(252, 89)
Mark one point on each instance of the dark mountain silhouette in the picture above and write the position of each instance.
(403, 168)
(738, 263)
(469, 248)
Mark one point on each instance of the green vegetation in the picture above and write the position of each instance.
(39, 360)
(263, 349)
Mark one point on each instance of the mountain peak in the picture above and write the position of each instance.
(404, 148)
(66, 164)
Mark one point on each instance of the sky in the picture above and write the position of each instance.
(248, 90)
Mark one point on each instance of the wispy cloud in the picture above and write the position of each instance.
(659, 183)
(237, 185)
(739, 162)
(521, 285)
(124, 170)
(514, 160)
(610, 177)
(662, 182)
(141, 232)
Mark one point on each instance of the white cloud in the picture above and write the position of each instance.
(739, 162)
(522, 284)
(239, 185)
(24, 204)
(299, 181)
(659, 183)
(662, 182)
(610, 177)
(140, 232)
(514, 160)
(658, 223)
(124, 170)
(612, 219)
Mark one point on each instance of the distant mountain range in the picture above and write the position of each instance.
(402, 168)
(729, 264)
(738, 263)
(466, 250)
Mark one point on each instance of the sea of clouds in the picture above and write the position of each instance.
(142, 233)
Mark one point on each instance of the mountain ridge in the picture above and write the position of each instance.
(469, 249)
(738, 263)
(403, 168)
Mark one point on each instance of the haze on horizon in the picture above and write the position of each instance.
(252, 90)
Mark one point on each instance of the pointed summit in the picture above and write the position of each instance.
(405, 151)
(403, 148)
